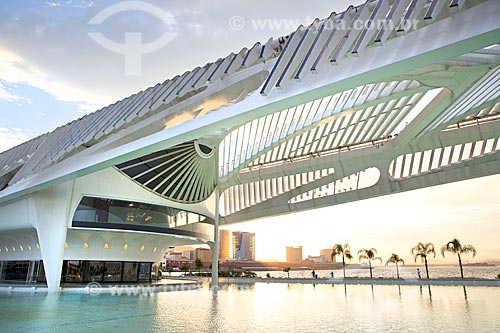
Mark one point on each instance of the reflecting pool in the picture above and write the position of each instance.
(261, 307)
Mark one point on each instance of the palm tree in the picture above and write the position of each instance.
(199, 264)
(422, 250)
(370, 255)
(455, 247)
(184, 267)
(395, 259)
(344, 251)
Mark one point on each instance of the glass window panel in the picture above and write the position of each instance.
(112, 272)
(74, 271)
(94, 271)
(144, 271)
(15, 270)
(130, 271)
(103, 210)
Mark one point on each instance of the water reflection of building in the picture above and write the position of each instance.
(243, 245)
(294, 254)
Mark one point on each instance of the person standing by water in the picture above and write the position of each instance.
(313, 273)
(418, 273)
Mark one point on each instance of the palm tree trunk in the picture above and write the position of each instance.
(426, 268)
(460, 264)
(370, 263)
(397, 270)
(343, 264)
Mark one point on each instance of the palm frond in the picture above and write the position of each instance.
(452, 246)
(336, 250)
(429, 248)
(469, 249)
(363, 254)
(422, 250)
(444, 248)
(421, 255)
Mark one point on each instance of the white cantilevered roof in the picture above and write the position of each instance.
(289, 60)
(47, 149)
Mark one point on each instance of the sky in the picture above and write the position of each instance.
(52, 71)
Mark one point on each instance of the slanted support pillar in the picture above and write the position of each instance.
(52, 210)
(215, 245)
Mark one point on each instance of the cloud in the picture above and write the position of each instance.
(10, 137)
(51, 40)
(87, 108)
(70, 3)
(6, 94)
(14, 69)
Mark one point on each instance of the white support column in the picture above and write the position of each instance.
(52, 210)
(215, 245)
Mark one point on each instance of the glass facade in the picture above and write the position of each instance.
(74, 271)
(130, 270)
(244, 245)
(93, 271)
(113, 271)
(83, 271)
(22, 271)
(15, 270)
(118, 214)
(144, 271)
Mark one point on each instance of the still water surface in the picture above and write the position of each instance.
(261, 307)
(487, 272)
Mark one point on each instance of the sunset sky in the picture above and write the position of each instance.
(52, 72)
(468, 210)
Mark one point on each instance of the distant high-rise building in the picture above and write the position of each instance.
(224, 244)
(205, 255)
(293, 254)
(243, 245)
(188, 254)
(327, 254)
